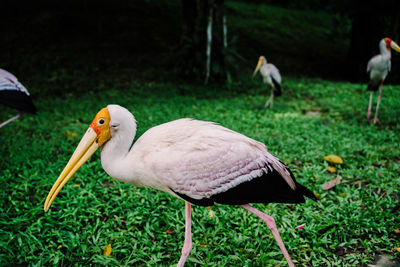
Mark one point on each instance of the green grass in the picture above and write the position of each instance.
(298, 41)
(312, 119)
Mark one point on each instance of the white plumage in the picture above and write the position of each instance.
(9, 82)
(195, 158)
(378, 68)
(200, 162)
(271, 77)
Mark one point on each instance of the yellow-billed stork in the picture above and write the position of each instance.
(271, 77)
(200, 162)
(378, 68)
(14, 95)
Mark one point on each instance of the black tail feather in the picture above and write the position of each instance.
(305, 191)
(277, 89)
(18, 100)
(373, 87)
(268, 188)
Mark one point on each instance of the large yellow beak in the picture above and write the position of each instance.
(260, 62)
(394, 46)
(86, 147)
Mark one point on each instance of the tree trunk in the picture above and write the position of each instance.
(201, 51)
(209, 40)
(364, 39)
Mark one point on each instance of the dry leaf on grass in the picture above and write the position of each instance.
(107, 250)
(169, 231)
(332, 183)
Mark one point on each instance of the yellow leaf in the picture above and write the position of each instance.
(343, 194)
(71, 134)
(398, 249)
(372, 167)
(331, 169)
(397, 231)
(334, 159)
(60, 246)
(107, 250)
(317, 194)
(340, 118)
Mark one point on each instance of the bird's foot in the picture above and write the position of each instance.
(269, 104)
(375, 120)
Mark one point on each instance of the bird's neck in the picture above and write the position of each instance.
(385, 52)
(116, 156)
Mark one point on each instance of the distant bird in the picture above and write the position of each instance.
(200, 162)
(378, 68)
(271, 76)
(14, 95)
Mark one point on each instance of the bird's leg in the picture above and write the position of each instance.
(270, 100)
(370, 104)
(10, 120)
(377, 104)
(272, 226)
(187, 247)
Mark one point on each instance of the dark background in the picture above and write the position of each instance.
(143, 39)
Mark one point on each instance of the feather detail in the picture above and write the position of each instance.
(14, 94)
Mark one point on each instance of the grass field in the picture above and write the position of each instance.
(74, 74)
(348, 226)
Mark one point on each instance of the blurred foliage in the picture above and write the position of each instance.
(145, 38)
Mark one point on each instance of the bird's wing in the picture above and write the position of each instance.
(372, 62)
(10, 82)
(389, 65)
(274, 72)
(14, 94)
(200, 159)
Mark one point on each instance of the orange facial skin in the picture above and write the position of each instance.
(388, 41)
(101, 125)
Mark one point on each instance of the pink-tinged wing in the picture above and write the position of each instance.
(10, 82)
(201, 159)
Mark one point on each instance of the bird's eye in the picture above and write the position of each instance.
(115, 125)
(101, 121)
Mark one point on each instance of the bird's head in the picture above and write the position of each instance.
(98, 133)
(390, 44)
(261, 61)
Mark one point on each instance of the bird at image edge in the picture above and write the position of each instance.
(14, 95)
(200, 162)
(378, 68)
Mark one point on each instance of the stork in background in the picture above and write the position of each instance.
(14, 95)
(271, 76)
(378, 68)
(199, 162)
